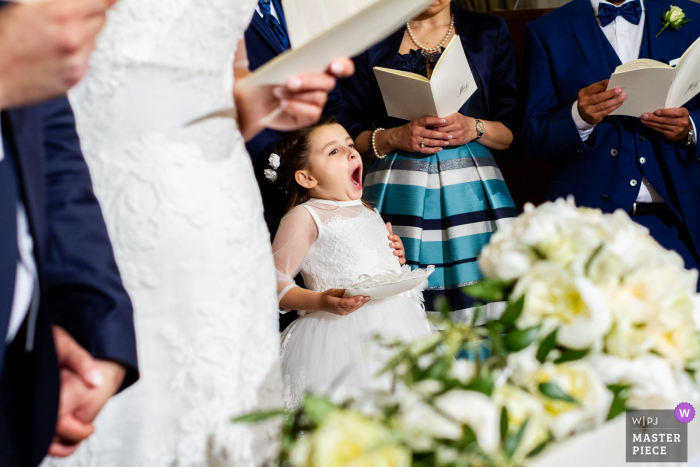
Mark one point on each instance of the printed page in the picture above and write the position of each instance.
(307, 19)
(686, 84)
(404, 96)
(351, 37)
(452, 82)
(647, 89)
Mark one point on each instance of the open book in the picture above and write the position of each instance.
(650, 85)
(323, 30)
(411, 96)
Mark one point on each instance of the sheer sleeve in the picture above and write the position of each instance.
(297, 232)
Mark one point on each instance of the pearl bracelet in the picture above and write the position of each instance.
(374, 143)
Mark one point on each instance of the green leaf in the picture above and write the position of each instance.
(518, 340)
(621, 393)
(477, 314)
(488, 290)
(512, 313)
(504, 423)
(553, 391)
(547, 345)
(482, 384)
(569, 355)
(513, 440)
(540, 447)
(442, 304)
(256, 417)
(318, 408)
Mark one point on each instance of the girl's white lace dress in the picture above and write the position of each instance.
(332, 244)
(186, 221)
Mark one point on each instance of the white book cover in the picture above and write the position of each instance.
(410, 96)
(650, 85)
(323, 30)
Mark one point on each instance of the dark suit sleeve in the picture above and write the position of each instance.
(503, 93)
(82, 282)
(688, 155)
(549, 131)
(350, 100)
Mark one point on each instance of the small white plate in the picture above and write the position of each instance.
(389, 283)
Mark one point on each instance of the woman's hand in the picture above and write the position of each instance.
(290, 107)
(332, 301)
(410, 136)
(396, 244)
(461, 128)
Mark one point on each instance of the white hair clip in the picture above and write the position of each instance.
(271, 174)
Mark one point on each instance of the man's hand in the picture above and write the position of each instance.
(290, 107)
(396, 244)
(86, 385)
(595, 103)
(332, 301)
(45, 47)
(674, 124)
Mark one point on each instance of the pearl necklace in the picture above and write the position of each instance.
(436, 48)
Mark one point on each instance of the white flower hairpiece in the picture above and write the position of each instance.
(271, 174)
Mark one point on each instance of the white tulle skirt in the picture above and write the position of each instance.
(324, 353)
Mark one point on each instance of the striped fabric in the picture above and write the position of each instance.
(445, 207)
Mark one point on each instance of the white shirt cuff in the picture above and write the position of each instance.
(584, 128)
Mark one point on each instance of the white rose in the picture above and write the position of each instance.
(523, 365)
(521, 407)
(655, 384)
(476, 410)
(274, 161)
(463, 370)
(675, 15)
(505, 259)
(554, 296)
(580, 381)
(422, 419)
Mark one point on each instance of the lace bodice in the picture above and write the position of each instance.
(332, 244)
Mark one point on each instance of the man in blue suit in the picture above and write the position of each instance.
(66, 320)
(265, 38)
(648, 167)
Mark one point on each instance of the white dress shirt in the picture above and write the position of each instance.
(26, 270)
(626, 39)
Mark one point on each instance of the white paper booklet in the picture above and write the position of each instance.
(411, 96)
(323, 30)
(650, 85)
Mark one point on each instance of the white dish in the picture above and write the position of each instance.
(389, 284)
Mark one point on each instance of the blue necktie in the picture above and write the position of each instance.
(631, 11)
(275, 26)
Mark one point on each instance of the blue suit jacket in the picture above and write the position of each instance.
(81, 289)
(566, 51)
(358, 104)
(262, 46)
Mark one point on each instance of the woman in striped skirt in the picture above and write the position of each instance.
(435, 179)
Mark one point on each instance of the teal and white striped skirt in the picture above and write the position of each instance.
(445, 207)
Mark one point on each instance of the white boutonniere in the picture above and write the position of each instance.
(674, 18)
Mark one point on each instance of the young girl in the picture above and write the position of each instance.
(333, 238)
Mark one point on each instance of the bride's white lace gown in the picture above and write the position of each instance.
(185, 217)
(333, 244)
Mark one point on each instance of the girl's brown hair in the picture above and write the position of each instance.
(294, 150)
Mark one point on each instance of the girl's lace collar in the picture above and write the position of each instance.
(330, 202)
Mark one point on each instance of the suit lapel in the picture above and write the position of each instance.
(662, 48)
(29, 159)
(263, 29)
(600, 55)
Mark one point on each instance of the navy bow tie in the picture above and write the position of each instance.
(273, 24)
(631, 11)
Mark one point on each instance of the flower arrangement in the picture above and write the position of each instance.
(600, 318)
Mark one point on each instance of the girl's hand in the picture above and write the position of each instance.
(409, 136)
(461, 128)
(332, 301)
(396, 244)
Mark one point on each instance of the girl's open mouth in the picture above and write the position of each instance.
(356, 177)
